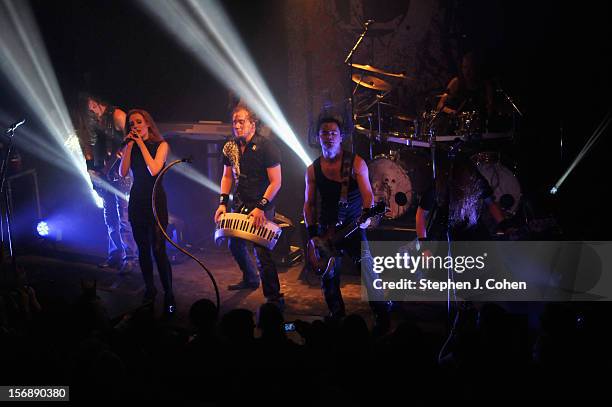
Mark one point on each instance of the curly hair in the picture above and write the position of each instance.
(465, 195)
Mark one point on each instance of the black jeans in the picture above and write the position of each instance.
(265, 265)
(150, 238)
(357, 248)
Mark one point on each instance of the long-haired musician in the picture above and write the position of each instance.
(101, 133)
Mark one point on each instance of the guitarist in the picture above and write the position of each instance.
(104, 130)
(341, 179)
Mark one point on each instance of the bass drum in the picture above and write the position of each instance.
(391, 184)
(504, 183)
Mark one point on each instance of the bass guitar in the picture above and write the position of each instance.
(324, 249)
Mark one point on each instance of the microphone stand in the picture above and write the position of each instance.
(509, 99)
(7, 216)
(452, 153)
(349, 57)
(516, 110)
(349, 61)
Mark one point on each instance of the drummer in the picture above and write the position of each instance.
(254, 163)
(469, 90)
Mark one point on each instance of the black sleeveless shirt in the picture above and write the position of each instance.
(140, 209)
(331, 212)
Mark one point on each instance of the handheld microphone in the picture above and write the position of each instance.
(128, 140)
(125, 142)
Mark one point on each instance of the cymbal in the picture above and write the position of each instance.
(362, 129)
(404, 117)
(371, 134)
(371, 68)
(371, 82)
(365, 131)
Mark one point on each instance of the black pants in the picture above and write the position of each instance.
(265, 265)
(357, 248)
(149, 238)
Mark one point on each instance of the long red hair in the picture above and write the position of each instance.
(154, 133)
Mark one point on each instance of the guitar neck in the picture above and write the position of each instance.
(345, 231)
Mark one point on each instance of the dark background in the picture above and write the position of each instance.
(552, 57)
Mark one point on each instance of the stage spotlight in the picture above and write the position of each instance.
(203, 28)
(194, 175)
(25, 63)
(97, 200)
(42, 228)
(50, 230)
(590, 142)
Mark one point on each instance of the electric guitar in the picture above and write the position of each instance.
(326, 246)
(110, 173)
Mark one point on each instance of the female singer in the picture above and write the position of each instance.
(145, 154)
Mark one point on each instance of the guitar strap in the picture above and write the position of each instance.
(345, 173)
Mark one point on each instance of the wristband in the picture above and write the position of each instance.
(224, 199)
(263, 204)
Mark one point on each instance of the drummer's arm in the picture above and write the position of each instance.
(360, 169)
(442, 102)
(451, 89)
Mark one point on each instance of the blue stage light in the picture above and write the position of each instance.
(43, 228)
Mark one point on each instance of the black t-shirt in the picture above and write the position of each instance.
(252, 180)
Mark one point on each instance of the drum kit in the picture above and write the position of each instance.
(402, 147)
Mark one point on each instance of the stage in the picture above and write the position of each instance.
(59, 276)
